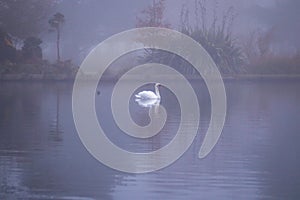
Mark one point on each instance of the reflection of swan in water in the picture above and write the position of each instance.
(149, 95)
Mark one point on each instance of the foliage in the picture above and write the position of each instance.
(215, 37)
(258, 45)
(260, 59)
(7, 50)
(153, 15)
(56, 22)
(275, 64)
(22, 18)
(31, 50)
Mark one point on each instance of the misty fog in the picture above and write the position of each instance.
(202, 105)
(90, 22)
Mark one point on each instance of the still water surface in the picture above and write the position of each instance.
(257, 156)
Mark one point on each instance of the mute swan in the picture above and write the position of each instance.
(147, 103)
(149, 94)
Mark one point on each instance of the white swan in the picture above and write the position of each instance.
(147, 103)
(146, 95)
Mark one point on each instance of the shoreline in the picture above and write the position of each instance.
(66, 77)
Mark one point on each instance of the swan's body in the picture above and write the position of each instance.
(147, 95)
(147, 103)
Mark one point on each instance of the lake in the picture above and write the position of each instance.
(256, 157)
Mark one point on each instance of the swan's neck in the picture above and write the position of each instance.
(157, 92)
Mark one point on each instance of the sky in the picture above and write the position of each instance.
(89, 22)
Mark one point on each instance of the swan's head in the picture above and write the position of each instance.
(157, 84)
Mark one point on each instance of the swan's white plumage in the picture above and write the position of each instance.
(148, 103)
(149, 94)
(146, 95)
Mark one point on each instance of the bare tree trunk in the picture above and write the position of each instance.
(57, 44)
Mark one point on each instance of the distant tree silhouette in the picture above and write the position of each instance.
(23, 18)
(153, 15)
(56, 22)
(31, 50)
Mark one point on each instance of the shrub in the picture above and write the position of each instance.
(31, 50)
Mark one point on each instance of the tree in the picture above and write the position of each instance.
(264, 42)
(153, 15)
(7, 50)
(56, 22)
(31, 49)
(23, 18)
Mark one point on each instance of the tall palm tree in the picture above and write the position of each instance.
(56, 22)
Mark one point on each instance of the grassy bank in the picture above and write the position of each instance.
(40, 71)
(70, 77)
(67, 71)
